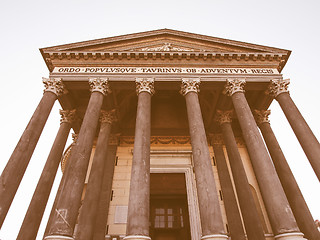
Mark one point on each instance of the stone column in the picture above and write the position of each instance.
(281, 217)
(12, 174)
(86, 220)
(66, 210)
(32, 219)
(139, 203)
(105, 194)
(248, 208)
(64, 168)
(229, 198)
(278, 89)
(298, 205)
(209, 206)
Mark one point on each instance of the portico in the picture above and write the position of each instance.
(167, 89)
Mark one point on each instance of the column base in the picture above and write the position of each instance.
(214, 237)
(110, 237)
(290, 236)
(58, 237)
(269, 236)
(136, 237)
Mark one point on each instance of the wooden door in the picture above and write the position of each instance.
(169, 217)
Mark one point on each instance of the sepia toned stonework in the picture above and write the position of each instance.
(54, 85)
(155, 157)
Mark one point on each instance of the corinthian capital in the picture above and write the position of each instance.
(108, 116)
(216, 139)
(224, 116)
(74, 138)
(54, 85)
(99, 85)
(67, 116)
(262, 116)
(277, 86)
(190, 85)
(234, 85)
(145, 85)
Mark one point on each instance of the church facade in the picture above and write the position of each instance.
(171, 141)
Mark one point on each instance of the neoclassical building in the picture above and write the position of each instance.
(172, 141)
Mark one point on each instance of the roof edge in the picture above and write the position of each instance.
(163, 31)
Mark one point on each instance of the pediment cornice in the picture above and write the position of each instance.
(162, 33)
(164, 44)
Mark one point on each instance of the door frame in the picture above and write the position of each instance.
(184, 165)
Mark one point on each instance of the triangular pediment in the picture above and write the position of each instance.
(164, 40)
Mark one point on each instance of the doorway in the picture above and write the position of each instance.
(169, 216)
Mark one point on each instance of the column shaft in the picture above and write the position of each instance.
(40, 197)
(138, 209)
(69, 201)
(248, 208)
(62, 181)
(229, 198)
(89, 207)
(279, 211)
(299, 207)
(105, 195)
(58, 194)
(209, 206)
(12, 174)
(305, 136)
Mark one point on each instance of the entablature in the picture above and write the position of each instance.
(164, 47)
(180, 58)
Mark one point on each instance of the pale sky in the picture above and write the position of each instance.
(26, 26)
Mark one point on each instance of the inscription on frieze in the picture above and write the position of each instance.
(164, 70)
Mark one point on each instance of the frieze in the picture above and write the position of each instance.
(114, 139)
(159, 140)
(218, 139)
(167, 47)
(165, 70)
